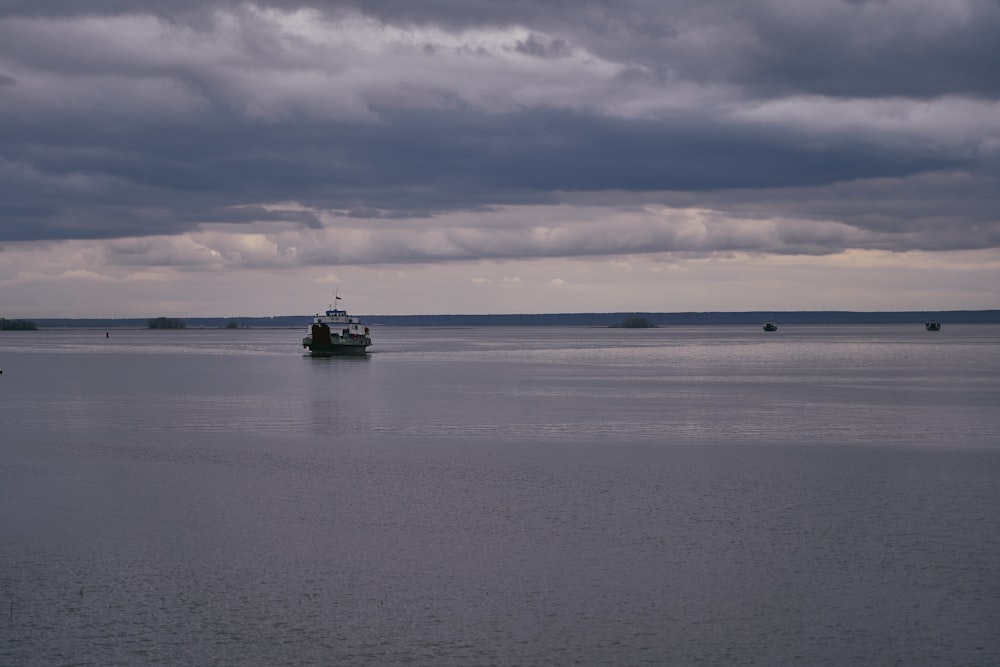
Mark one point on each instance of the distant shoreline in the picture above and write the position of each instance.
(559, 319)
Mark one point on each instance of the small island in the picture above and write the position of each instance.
(636, 322)
(165, 323)
(16, 325)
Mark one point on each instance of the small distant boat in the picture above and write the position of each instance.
(932, 325)
(335, 333)
(770, 326)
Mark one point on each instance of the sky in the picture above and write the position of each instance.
(208, 158)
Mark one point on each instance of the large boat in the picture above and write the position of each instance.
(932, 325)
(770, 326)
(335, 333)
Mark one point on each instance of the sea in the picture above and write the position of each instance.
(819, 495)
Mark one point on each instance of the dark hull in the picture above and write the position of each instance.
(321, 342)
(337, 350)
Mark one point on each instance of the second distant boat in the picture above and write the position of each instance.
(770, 326)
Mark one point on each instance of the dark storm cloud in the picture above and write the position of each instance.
(834, 47)
(837, 48)
(189, 142)
(772, 47)
(93, 184)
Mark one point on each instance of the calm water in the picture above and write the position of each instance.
(495, 496)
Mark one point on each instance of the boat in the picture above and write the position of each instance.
(335, 333)
(770, 326)
(932, 325)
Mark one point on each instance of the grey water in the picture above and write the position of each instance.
(502, 496)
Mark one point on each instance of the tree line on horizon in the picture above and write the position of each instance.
(17, 325)
(657, 319)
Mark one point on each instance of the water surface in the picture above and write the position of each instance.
(500, 496)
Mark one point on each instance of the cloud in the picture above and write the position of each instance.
(292, 135)
(528, 232)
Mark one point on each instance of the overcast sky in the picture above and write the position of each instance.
(213, 157)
